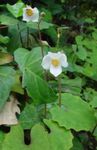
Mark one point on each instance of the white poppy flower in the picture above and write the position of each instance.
(30, 14)
(54, 62)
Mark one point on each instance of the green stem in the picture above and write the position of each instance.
(27, 37)
(42, 52)
(59, 89)
(40, 38)
(57, 44)
(58, 38)
(18, 26)
(45, 110)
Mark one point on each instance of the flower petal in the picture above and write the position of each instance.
(25, 16)
(55, 70)
(35, 17)
(63, 60)
(46, 62)
(54, 55)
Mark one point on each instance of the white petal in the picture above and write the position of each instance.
(54, 55)
(35, 16)
(46, 62)
(63, 60)
(55, 70)
(25, 16)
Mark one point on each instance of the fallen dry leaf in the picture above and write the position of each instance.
(5, 58)
(8, 112)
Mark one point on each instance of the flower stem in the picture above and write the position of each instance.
(58, 38)
(59, 89)
(27, 37)
(42, 52)
(18, 26)
(40, 38)
(45, 110)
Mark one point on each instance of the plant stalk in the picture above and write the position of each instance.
(42, 52)
(18, 26)
(27, 37)
(40, 38)
(59, 89)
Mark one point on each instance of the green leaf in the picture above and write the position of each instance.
(1, 138)
(28, 117)
(29, 59)
(43, 25)
(79, 40)
(93, 103)
(59, 138)
(94, 35)
(7, 20)
(72, 86)
(16, 10)
(30, 65)
(81, 53)
(95, 132)
(37, 88)
(4, 39)
(74, 114)
(6, 82)
(89, 20)
(40, 138)
(14, 38)
(17, 86)
(5, 58)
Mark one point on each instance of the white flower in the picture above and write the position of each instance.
(30, 14)
(54, 62)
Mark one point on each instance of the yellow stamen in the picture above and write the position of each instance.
(29, 12)
(55, 62)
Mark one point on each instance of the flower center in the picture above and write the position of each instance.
(29, 12)
(55, 62)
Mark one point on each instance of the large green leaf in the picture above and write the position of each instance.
(74, 114)
(29, 59)
(28, 117)
(7, 20)
(40, 138)
(1, 138)
(30, 65)
(72, 85)
(37, 88)
(59, 138)
(6, 82)
(15, 139)
(16, 10)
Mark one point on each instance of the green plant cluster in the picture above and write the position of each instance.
(68, 26)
